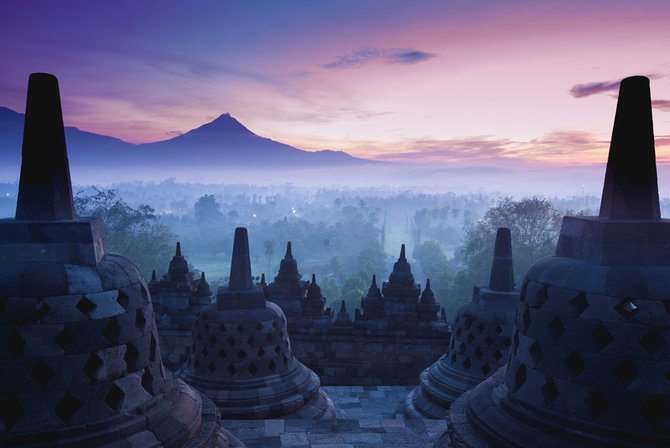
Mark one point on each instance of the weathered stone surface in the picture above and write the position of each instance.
(241, 356)
(79, 357)
(480, 339)
(591, 349)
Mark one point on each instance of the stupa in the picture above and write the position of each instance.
(241, 355)
(480, 340)
(373, 303)
(79, 358)
(288, 290)
(590, 358)
(400, 293)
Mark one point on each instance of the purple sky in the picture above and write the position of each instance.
(449, 82)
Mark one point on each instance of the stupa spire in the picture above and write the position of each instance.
(45, 189)
(178, 250)
(631, 187)
(402, 253)
(240, 266)
(289, 254)
(502, 271)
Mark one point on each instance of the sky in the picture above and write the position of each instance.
(443, 82)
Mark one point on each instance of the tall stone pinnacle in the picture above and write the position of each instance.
(502, 272)
(289, 254)
(631, 187)
(45, 189)
(178, 250)
(240, 266)
(402, 253)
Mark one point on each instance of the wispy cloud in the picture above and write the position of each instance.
(364, 56)
(593, 88)
(663, 105)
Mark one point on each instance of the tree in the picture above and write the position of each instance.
(268, 249)
(136, 233)
(534, 224)
(207, 209)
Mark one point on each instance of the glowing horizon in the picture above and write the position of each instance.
(455, 84)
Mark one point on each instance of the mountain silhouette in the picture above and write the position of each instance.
(223, 142)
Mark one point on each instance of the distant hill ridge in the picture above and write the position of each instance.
(222, 142)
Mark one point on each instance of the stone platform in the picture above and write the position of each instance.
(367, 417)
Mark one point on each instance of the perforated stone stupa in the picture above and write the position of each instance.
(590, 359)
(241, 355)
(79, 358)
(480, 340)
(288, 289)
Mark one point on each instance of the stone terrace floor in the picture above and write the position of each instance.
(368, 417)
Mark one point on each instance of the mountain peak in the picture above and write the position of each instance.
(224, 124)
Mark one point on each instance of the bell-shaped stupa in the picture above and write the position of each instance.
(79, 358)
(241, 355)
(480, 340)
(590, 357)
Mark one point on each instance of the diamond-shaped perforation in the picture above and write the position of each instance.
(488, 340)
(601, 336)
(242, 355)
(261, 352)
(148, 381)
(112, 331)
(67, 407)
(11, 412)
(277, 349)
(556, 328)
(140, 319)
(578, 304)
(574, 364)
(549, 392)
(541, 296)
(252, 369)
(221, 353)
(470, 338)
(486, 369)
(42, 309)
(497, 355)
(123, 299)
(259, 326)
(461, 348)
(525, 318)
(656, 410)
(597, 404)
(153, 349)
(626, 308)
(15, 343)
(212, 340)
(240, 328)
(480, 327)
(479, 353)
(506, 342)
(535, 352)
(467, 364)
(498, 329)
(231, 341)
(131, 356)
(222, 328)
(251, 341)
(232, 370)
(114, 397)
(42, 373)
(270, 338)
(459, 332)
(272, 366)
(92, 366)
(204, 352)
(652, 342)
(626, 372)
(453, 358)
(211, 367)
(86, 306)
(519, 377)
